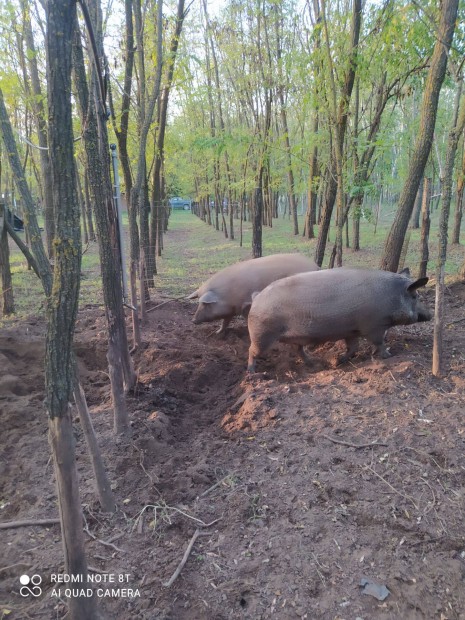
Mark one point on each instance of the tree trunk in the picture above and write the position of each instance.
(425, 226)
(340, 115)
(8, 304)
(122, 137)
(90, 222)
(30, 218)
(454, 134)
(313, 174)
(41, 124)
(356, 225)
(102, 482)
(436, 73)
(64, 298)
(98, 169)
(415, 221)
(162, 118)
(459, 201)
(257, 223)
(82, 205)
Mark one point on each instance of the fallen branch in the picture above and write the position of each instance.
(456, 321)
(5, 568)
(217, 484)
(11, 524)
(102, 542)
(391, 487)
(354, 445)
(165, 302)
(183, 561)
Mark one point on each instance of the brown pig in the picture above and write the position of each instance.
(229, 292)
(333, 304)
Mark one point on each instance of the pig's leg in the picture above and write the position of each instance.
(352, 347)
(224, 325)
(377, 339)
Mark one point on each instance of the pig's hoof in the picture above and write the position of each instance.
(385, 354)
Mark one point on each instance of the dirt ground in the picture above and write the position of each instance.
(293, 505)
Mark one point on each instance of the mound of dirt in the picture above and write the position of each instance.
(301, 481)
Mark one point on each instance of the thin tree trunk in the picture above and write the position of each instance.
(257, 222)
(454, 134)
(8, 304)
(102, 482)
(90, 222)
(30, 218)
(415, 222)
(162, 118)
(41, 124)
(82, 206)
(459, 201)
(98, 168)
(425, 226)
(340, 115)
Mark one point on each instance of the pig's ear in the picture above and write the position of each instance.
(193, 295)
(405, 272)
(210, 297)
(417, 284)
(254, 294)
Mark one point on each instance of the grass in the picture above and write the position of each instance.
(193, 251)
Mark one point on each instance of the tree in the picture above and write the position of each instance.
(458, 125)
(93, 118)
(8, 304)
(41, 124)
(63, 299)
(436, 73)
(338, 122)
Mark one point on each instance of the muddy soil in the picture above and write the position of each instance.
(301, 481)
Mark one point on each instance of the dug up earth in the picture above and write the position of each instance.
(300, 484)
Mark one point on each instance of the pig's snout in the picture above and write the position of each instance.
(424, 315)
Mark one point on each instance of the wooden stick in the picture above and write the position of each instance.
(11, 524)
(183, 561)
(391, 487)
(165, 302)
(354, 445)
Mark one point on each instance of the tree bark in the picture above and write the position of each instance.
(30, 218)
(454, 134)
(425, 226)
(162, 118)
(340, 115)
(459, 201)
(415, 222)
(64, 298)
(8, 304)
(98, 169)
(436, 73)
(257, 222)
(41, 124)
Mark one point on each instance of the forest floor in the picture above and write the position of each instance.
(302, 482)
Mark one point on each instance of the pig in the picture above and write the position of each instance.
(333, 304)
(229, 292)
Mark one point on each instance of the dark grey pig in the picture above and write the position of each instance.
(229, 292)
(333, 304)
